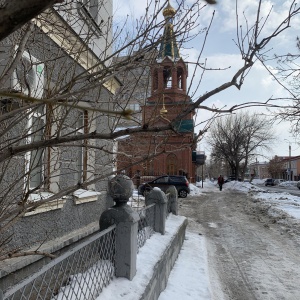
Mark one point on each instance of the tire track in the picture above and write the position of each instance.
(253, 260)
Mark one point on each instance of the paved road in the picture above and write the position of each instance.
(250, 255)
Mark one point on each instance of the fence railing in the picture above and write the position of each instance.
(79, 274)
(82, 272)
(146, 224)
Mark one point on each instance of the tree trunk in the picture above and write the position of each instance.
(14, 13)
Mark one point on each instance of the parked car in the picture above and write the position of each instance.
(269, 181)
(163, 182)
(278, 181)
(232, 178)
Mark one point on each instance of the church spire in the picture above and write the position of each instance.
(168, 46)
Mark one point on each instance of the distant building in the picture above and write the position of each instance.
(136, 87)
(291, 168)
(280, 167)
(259, 170)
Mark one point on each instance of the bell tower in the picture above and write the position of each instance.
(168, 76)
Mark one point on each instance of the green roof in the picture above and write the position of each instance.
(185, 126)
(168, 45)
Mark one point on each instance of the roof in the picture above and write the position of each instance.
(185, 126)
(168, 46)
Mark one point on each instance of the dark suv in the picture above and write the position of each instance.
(163, 182)
(270, 181)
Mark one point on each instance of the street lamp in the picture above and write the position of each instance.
(289, 162)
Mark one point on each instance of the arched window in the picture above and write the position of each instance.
(172, 164)
(167, 77)
(179, 78)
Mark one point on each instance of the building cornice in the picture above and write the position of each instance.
(52, 24)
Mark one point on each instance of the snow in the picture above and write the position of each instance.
(85, 194)
(288, 184)
(189, 278)
(149, 254)
(281, 201)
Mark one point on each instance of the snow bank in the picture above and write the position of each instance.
(279, 203)
(288, 184)
(241, 186)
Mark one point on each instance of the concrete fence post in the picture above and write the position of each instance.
(1, 295)
(126, 220)
(160, 199)
(173, 200)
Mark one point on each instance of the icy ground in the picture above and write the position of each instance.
(189, 278)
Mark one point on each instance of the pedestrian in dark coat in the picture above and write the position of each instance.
(220, 182)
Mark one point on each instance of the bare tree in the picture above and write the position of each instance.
(236, 138)
(216, 167)
(288, 73)
(61, 102)
(276, 167)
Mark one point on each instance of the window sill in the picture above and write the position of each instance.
(84, 196)
(51, 205)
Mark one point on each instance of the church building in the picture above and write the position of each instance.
(163, 152)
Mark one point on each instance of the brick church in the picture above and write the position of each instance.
(166, 152)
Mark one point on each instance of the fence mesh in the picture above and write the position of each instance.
(79, 274)
(146, 224)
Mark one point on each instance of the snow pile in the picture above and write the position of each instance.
(288, 184)
(278, 203)
(258, 181)
(285, 202)
(194, 190)
(208, 185)
(241, 186)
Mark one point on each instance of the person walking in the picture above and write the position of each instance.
(220, 182)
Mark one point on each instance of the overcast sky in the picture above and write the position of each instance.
(221, 52)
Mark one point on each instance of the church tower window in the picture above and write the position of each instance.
(167, 77)
(172, 164)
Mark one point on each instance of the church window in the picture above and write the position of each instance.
(167, 77)
(172, 164)
(180, 78)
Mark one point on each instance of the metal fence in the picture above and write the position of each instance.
(146, 224)
(168, 204)
(79, 274)
(82, 272)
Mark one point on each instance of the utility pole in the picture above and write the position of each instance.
(289, 171)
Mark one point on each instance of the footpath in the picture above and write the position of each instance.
(188, 279)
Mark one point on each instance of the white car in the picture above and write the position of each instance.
(278, 181)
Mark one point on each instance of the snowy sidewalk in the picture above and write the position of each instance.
(188, 279)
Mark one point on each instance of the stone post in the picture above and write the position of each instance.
(126, 220)
(173, 200)
(160, 199)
